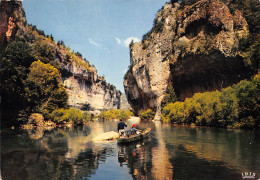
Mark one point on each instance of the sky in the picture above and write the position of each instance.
(100, 30)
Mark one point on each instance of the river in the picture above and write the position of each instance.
(171, 152)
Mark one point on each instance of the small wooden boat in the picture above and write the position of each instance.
(134, 137)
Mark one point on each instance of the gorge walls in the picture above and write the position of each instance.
(195, 49)
(85, 88)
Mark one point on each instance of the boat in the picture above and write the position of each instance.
(128, 138)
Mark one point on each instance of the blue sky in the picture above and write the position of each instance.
(99, 29)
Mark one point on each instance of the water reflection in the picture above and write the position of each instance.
(170, 153)
(162, 168)
(58, 154)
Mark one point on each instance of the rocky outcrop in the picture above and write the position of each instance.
(124, 103)
(92, 92)
(195, 49)
(111, 135)
(86, 89)
(10, 21)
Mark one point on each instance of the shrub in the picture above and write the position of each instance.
(115, 114)
(43, 51)
(146, 114)
(71, 115)
(236, 106)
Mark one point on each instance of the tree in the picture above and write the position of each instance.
(44, 89)
(170, 96)
(15, 64)
(147, 114)
(43, 51)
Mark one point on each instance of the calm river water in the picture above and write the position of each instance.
(172, 152)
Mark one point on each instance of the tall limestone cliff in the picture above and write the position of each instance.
(85, 88)
(195, 48)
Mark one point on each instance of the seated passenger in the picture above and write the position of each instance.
(134, 130)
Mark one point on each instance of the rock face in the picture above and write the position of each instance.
(124, 103)
(10, 20)
(86, 89)
(111, 135)
(195, 49)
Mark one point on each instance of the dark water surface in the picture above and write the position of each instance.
(170, 153)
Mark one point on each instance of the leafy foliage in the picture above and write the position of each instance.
(14, 68)
(147, 114)
(250, 10)
(71, 115)
(44, 89)
(236, 106)
(115, 114)
(26, 89)
(43, 51)
(158, 26)
(170, 96)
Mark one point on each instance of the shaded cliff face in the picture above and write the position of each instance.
(12, 16)
(195, 49)
(124, 103)
(86, 89)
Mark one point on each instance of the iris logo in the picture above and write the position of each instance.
(248, 175)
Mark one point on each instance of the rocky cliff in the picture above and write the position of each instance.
(86, 89)
(195, 48)
(12, 16)
(124, 103)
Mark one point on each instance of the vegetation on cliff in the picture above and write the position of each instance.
(236, 106)
(30, 82)
(250, 10)
(200, 46)
(32, 68)
(115, 114)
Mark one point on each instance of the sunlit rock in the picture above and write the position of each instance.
(195, 49)
(111, 135)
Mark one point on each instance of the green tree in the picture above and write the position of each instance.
(74, 115)
(15, 64)
(115, 114)
(147, 114)
(236, 106)
(44, 89)
(58, 115)
(247, 93)
(170, 96)
(43, 51)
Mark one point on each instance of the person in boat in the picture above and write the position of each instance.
(134, 130)
(120, 128)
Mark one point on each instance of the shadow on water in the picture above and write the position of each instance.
(138, 158)
(50, 157)
(169, 153)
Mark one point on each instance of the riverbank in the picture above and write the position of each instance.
(171, 152)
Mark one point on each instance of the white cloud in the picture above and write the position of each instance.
(118, 40)
(129, 40)
(93, 42)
